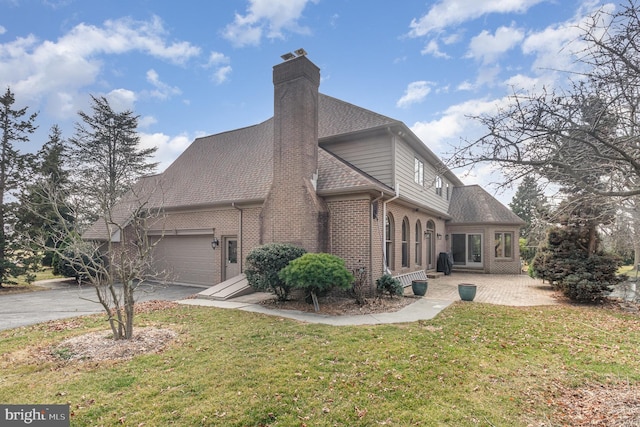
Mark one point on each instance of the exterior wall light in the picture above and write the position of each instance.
(215, 242)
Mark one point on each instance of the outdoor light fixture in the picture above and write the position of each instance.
(439, 236)
(215, 242)
(446, 237)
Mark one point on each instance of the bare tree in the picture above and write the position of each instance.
(116, 254)
(585, 137)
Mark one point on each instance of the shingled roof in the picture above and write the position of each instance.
(471, 204)
(237, 166)
(336, 117)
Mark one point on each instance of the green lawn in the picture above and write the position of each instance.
(475, 364)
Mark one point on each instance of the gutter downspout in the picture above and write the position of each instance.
(384, 230)
(371, 235)
(241, 258)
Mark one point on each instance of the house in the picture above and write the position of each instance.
(330, 177)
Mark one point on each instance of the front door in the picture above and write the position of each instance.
(231, 265)
(430, 250)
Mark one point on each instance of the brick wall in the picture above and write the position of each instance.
(350, 233)
(292, 212)
(398, 213)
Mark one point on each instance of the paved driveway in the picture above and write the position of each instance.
(64, 299)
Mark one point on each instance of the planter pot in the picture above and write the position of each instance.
(467, 291)
(419, 287)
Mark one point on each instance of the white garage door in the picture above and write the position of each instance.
(187, 259)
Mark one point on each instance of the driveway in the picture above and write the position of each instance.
(65, 299)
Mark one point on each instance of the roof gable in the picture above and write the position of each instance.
(471, 204)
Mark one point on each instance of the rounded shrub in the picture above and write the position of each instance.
(317, 273)
(386, 284)
(263, 264)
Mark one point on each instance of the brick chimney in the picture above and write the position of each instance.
(293, 212)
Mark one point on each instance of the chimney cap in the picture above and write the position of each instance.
(296, 53)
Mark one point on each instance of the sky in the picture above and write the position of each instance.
(190, 69)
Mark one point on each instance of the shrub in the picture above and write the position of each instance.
(581, 276)
(78, 265)
(264, 263)
(389, 285)
(359, 289)
(318, 273)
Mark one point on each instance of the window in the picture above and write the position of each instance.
(439, 186)
(388, 237)
(418, 252)
(447, 185)
(467, 249)
(418, 172)
(503, 244)
(405, 242)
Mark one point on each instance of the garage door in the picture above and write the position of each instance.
(187, 259)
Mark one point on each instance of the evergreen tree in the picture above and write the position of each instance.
(44, 202)
(108, 165)
(528, 203)
(15, 126)
(106, 155)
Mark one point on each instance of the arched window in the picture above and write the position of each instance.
(405, 242)
(418, 252)
(388, 240)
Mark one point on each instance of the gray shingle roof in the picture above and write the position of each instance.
(471, 204)
(336, 117)
(238, 165)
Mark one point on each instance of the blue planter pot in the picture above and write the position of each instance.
(467, 291)
(419, 287)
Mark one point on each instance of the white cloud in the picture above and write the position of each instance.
(168, 147)
(2, 29)
(454, 122)
(487, 47)
(222, 70)
(162, 90)
(266, 17)
(222, 74)
(121, 100)
(415, 93)
(446, 13)
(147, 121)
(432, 48)
(58, 70)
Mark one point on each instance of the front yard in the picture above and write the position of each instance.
(474, 364)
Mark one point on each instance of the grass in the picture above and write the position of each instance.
(628, 270)
(475, 364)
(22, 285)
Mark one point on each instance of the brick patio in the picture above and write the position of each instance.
(503, 289)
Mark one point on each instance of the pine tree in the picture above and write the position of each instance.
(528, 203)
(106, 154)
(43, 205)
(14, 127)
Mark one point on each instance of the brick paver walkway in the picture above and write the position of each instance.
(504, 289)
